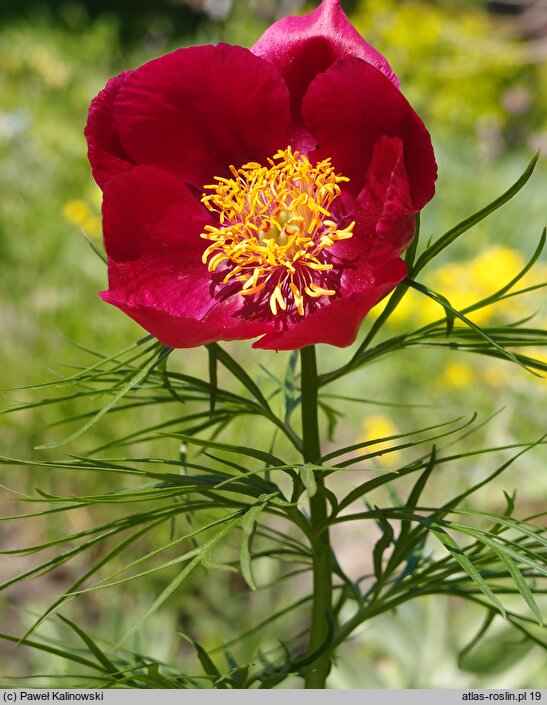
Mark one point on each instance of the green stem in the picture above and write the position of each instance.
(317, 672)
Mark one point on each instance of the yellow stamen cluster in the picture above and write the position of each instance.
(274, 225)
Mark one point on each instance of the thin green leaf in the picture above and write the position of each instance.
(204, 553)
(449, 237)
(384, 439)
(108, 582)
(505, 555)
(93, 369)
(404, 548)
(213, 377)
(249, 525)
(520, 582)
(68, 593)
(206, 661)
(267, 458)
(101, 657)
(403, 446)
(455, 501)
(383, 543)
(527, 529)
(260, 626)
(460, 557)
(63, 653)
(445, 304)
(238, 372)
(135, 379)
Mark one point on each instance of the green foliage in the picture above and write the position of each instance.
(466, 74)
(244, 504)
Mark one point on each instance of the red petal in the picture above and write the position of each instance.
(387, 195)
(338, 323)
(383, 215)
(180, 331)
(152, 227)
(397, 225)
(349, 107)
(106, 154)
(196, 111)
(302, 47)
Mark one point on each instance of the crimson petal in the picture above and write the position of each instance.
(105, 151)
(196, 111)
(349, 107)
(383, 213)
(386, 194)
(338, 323)
(152, 226)
(179, 331)
(302, 47)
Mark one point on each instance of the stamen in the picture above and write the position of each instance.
(277, 298)
(275, 229)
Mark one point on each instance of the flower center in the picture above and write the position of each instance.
(275, 230)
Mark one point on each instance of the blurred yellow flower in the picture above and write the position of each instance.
(456, 374)
(495, 266)
(78, 213)
(467, 282)
(92, 226)
(75, 211)
(380, 426)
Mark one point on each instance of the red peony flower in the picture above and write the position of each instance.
(265, 192)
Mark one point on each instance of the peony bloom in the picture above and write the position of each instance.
(266, 192)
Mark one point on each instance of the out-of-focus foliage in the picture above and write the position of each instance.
(465, 72)
(134, 20)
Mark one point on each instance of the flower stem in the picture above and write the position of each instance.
(317, 672)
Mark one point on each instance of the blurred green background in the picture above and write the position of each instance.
(475, 72)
